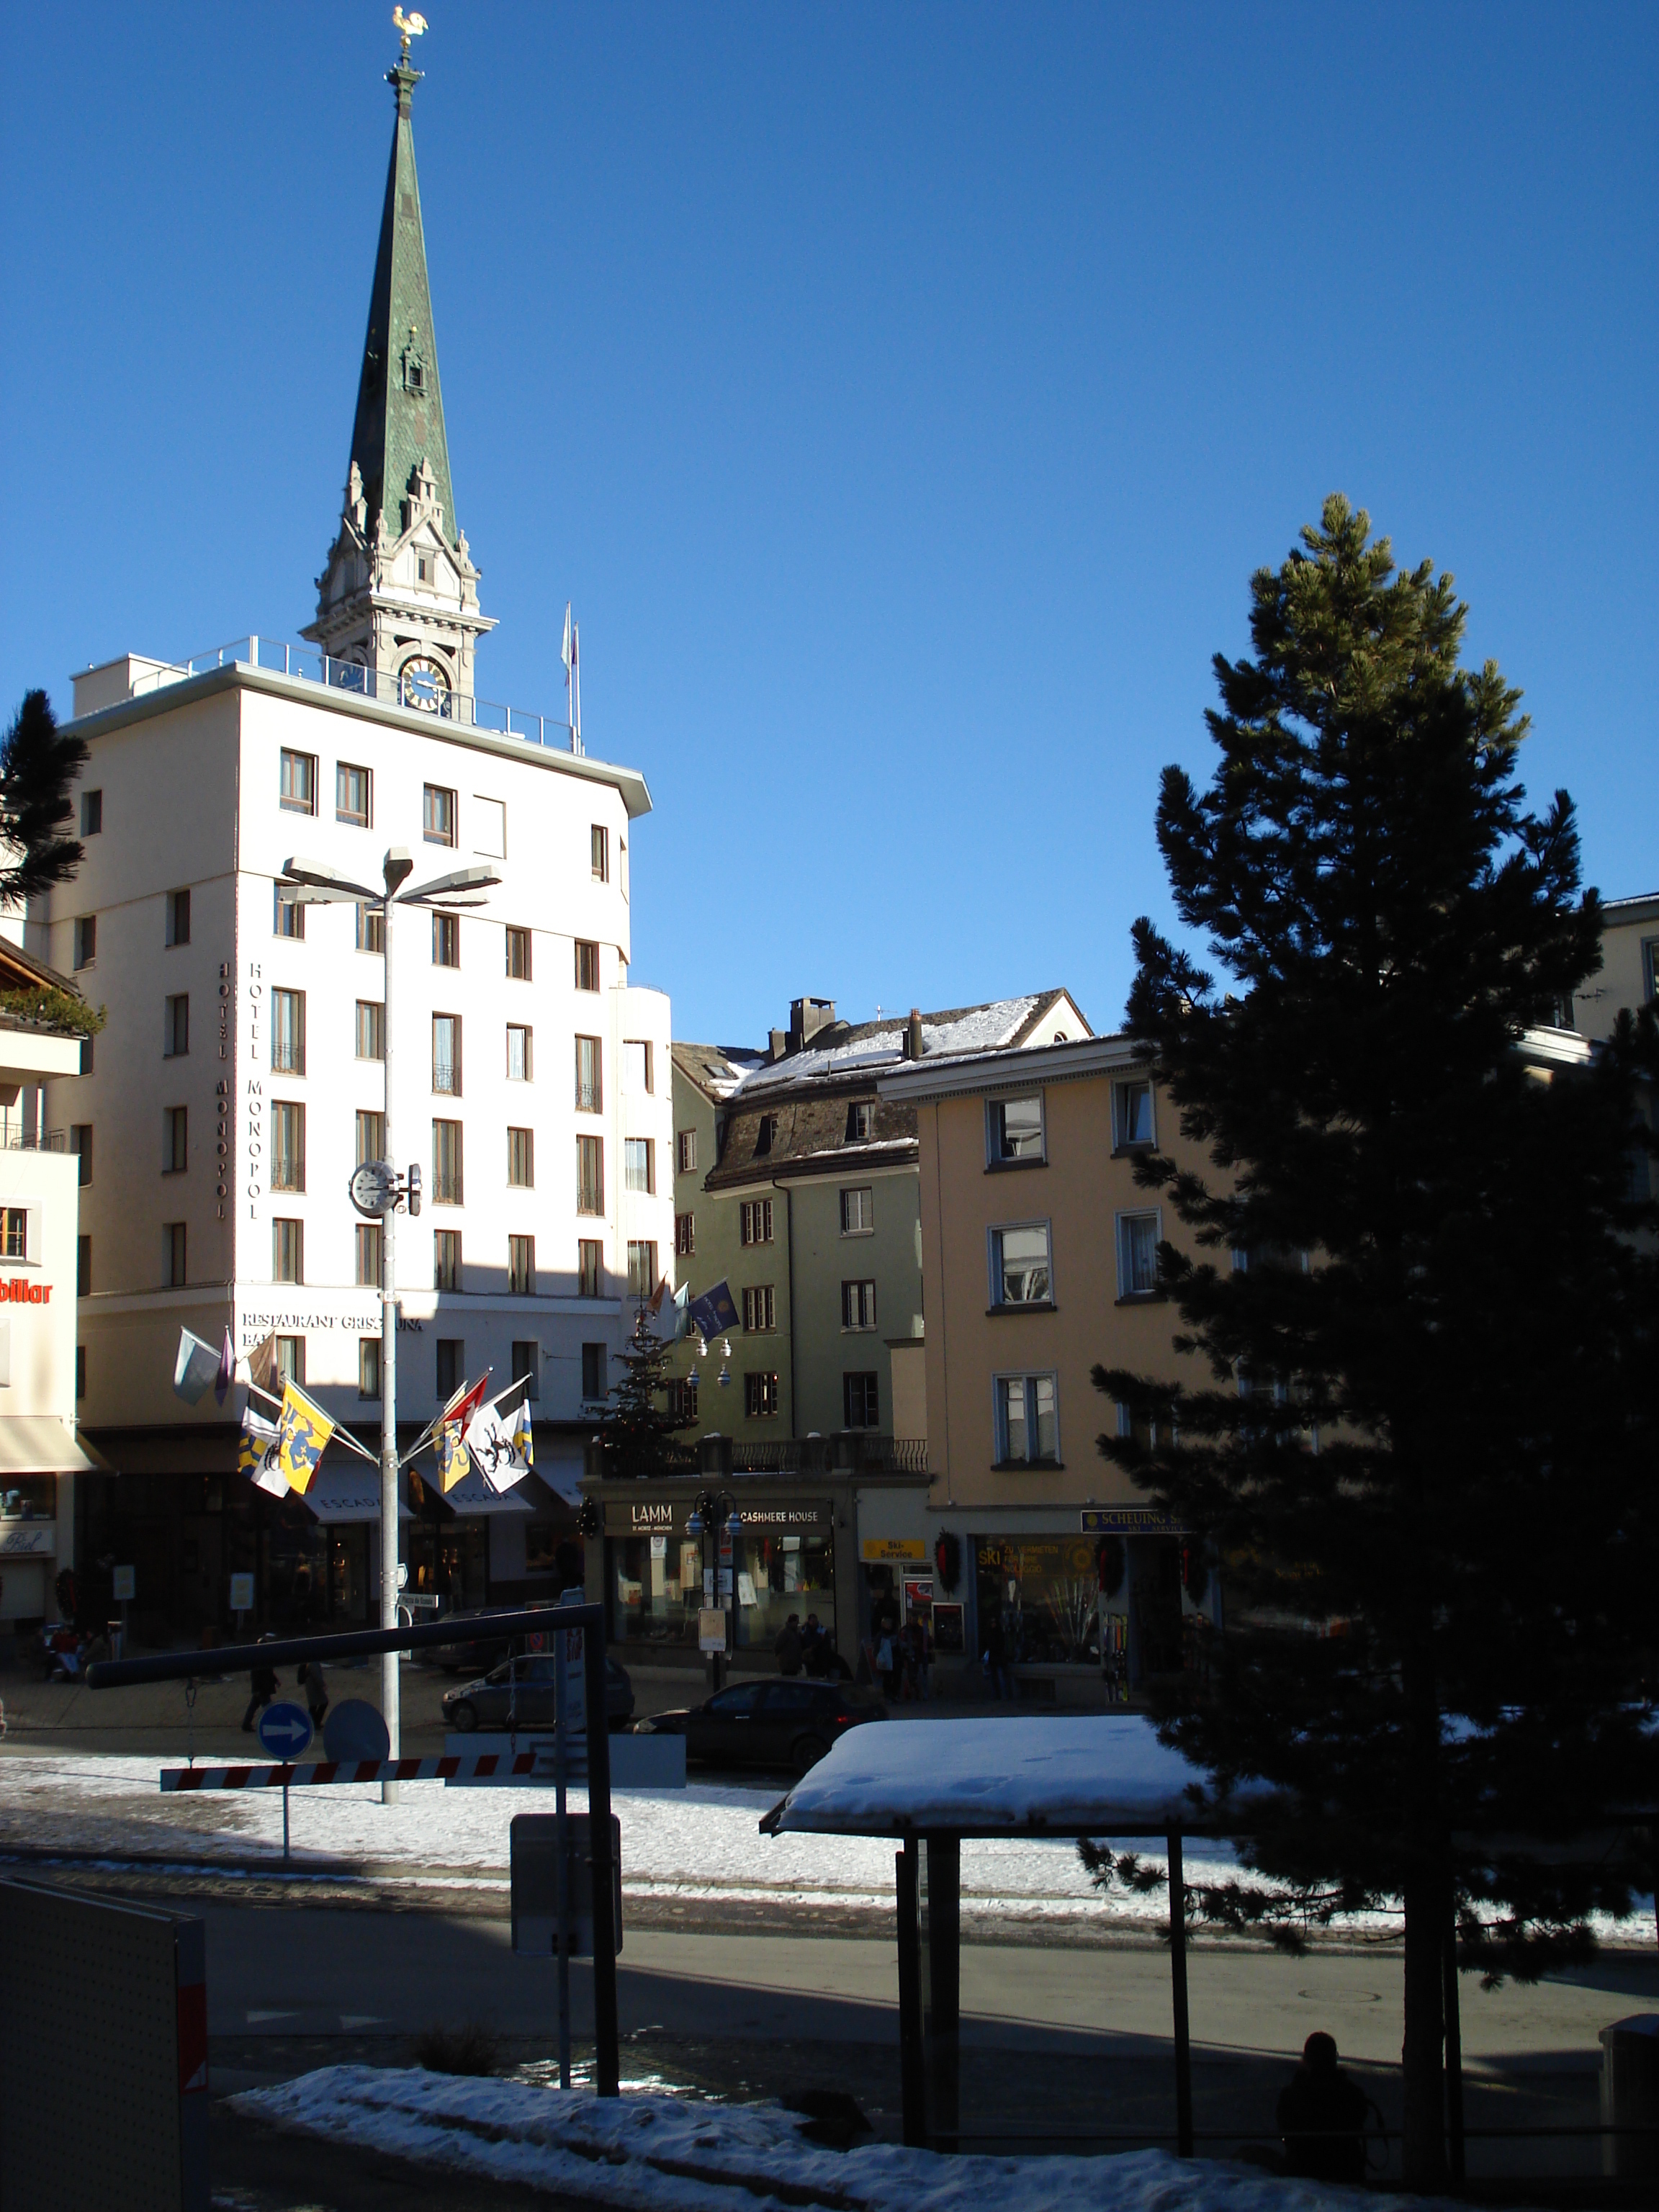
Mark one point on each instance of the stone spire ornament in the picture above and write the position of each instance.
(398, 597)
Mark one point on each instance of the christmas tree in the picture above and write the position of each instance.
(637, 1432)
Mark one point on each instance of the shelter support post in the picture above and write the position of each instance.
(1454, 2029)
(1183, 2050)
(606, 2066)
(941, 1926)
(912, 2081)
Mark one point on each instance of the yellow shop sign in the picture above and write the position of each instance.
(875, 1550)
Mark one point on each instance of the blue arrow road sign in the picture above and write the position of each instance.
(284, 1731)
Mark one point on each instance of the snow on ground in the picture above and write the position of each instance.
(702, 1842)
(658, 2153)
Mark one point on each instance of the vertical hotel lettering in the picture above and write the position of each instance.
(221, 1101)
(256, 1094)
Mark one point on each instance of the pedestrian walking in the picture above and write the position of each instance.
(998, 1680)
(262, 1680)
(1321, 2116)
(786, 1646)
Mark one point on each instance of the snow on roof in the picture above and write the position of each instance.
(967, 1029)
(1088, 1774)
(719, 1068)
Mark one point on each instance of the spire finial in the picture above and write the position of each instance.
(410, 25)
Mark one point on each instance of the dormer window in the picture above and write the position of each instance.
(421, 566)
(414, 372)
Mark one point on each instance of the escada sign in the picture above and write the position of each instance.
(22, 1293)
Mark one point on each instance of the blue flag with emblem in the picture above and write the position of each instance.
(714, 1313)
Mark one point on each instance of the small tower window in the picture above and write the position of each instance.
(414, 374)
(420, 564)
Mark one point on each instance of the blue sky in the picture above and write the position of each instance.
(903, 396)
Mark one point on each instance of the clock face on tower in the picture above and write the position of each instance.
(426, 685)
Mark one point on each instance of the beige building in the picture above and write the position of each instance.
(1038, 1262)
(1630, 966)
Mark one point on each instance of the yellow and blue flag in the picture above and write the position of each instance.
(302, 1435)
(452, 1460)
(523, 1439)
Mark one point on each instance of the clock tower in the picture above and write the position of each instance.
(398, 598)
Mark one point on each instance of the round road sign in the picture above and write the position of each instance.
(355, 1729)
(285, 1731)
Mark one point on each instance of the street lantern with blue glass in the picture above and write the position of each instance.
(705, 1514)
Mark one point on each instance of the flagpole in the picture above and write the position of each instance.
(391, 1680)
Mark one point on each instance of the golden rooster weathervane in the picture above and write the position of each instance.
(410, 25)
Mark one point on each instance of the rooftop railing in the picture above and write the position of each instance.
(310, 666)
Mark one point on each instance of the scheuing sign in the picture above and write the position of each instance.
(1129, 1521)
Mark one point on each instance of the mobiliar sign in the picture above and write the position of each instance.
(19, 1291)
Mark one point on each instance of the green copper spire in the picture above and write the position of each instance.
(400, 408)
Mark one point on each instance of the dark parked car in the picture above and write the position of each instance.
(773, 1723)
(524, 1692)
(477, 1648)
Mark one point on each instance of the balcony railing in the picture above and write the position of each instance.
(19, 1139)
(310, 666)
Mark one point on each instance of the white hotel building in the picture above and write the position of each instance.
(241, 1076)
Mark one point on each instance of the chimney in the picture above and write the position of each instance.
(779, 1041)
(913, 1035)
(806, 1018)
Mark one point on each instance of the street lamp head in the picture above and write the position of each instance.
(476, 878)
(734, 1524)
(322, 881)
(397, 868)
(694, 1522)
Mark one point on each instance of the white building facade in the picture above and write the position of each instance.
(242, 1074)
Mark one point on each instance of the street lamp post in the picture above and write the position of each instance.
(384, 1190)
(705, 1514)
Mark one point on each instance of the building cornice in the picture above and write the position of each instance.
(299, 691)
(918, 1082)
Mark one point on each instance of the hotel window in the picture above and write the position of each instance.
(593, 1365)
(1019, 1265)
(173, 1255)
(81, 1145)
(368, 1366)
(351, 794)
(178, 929)
(1027, 1433)
(289, 916)
(371, 1136)
(291, 1360)
(685, 1152)
(92, 813)
(288, 1145)
(858, 1305)
(15, 1236)
(450, 1366)
(588, 965)
(297, 788)
(641, 1267)
(1137, 1256)
(760, 1397)
(755, 1221)
(86, 939)
(860, 1122)
(446, 1054)
(858, 1212)
(490, 826)
(683, 1400)
(446, 1259)
(1132, 1116)
(83, 1266)
(446, 1163)
(437, 815)
(517, 955)
(176, 1027)
(175, 1140)
(860, 1399)
(521, 1159)
(685, 1234)
(599, 847)
(370, 1248)
(639, 1163)
(758, 1310)
(527, 1366)
(370, 928)
(371, 1029)
(590, 1268)
(590, 1075)
(288, 1032)
(519, 1060)
(590, 1174)
(287, 1251)
(640, 1070)
(1014, 1129)
(521, 1267)
(446, 940)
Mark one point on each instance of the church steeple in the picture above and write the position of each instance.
(399, 595)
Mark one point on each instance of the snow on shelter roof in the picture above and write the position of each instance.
(1093, 1774)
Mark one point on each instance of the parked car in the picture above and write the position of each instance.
(524, 1693)
(477, 1648)
(768, 1724)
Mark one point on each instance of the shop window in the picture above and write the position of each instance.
(1044, 1593)
(593, 1366)
(760, 1397)
(860, 1396)
(1013, 1130)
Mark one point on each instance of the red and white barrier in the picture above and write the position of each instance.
(481, 1766)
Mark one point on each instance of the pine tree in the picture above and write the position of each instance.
(1428, 1316)
(38, 764)
(638, 1430)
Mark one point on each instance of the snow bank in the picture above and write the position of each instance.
(659, 2153)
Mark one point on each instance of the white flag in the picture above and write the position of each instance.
(195, 1369)
(495, 1448)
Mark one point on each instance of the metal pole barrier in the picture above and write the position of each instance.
(390, 1679)
(1184, 2056)
(349, 1644)
(285, 1824)
(1454, 2030)
(561, 1844)
(606, 2064)
(912, 2078)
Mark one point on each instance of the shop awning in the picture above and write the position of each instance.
(562, 1477)
(36, 1444)
(351, 1492)
(473, 1496)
